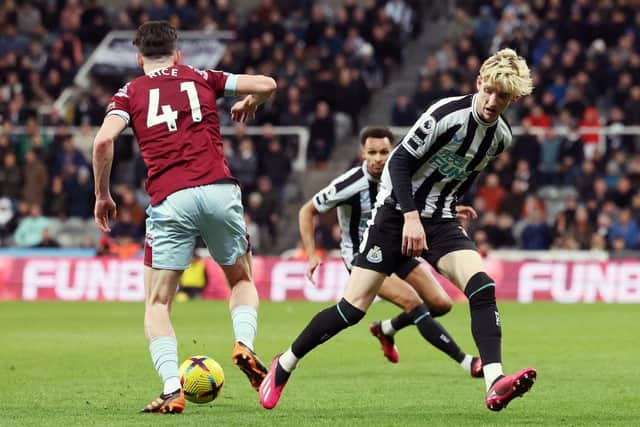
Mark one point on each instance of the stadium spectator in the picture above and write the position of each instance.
(591, 140)
(36, 179)
(70, 157)
(513, 201)
(322, 134)
(580, 230)
(10, 176)
(255, 236)
(8, 221)
(47, 240)
(498, 230)
(536, 233)
(492, 193)
(128, 202)
(79, 189)
(403, 113)
(56, 205)
(527, 146)
(125, 229)
(549, 155)
(271, 205)
(351, 98)
(624, 228)
(32, 140)
(29, 232)
(244, 164)
(276, 164)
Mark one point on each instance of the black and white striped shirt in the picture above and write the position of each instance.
(354, 194)
(444, 152)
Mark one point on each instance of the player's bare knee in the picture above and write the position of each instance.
(237, 273)
(409, 302)
(159, 295)
(440, 306)
(160, 299)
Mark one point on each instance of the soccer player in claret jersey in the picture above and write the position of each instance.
(438, 159)
(411, 287)
(172, 111)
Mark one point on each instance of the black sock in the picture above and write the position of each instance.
(325, 325)
(485, 319)
(402, 320)
(434, 333)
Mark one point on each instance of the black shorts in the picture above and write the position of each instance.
(402, 271)
(383, 241)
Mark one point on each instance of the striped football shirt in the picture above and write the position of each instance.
(353, 194)
(451, 145)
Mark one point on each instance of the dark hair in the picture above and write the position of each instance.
(375, 132)
(155, 39)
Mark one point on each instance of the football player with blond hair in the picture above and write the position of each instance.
(415, 215)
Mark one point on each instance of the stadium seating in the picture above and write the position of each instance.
(585, 72)
(314, 52)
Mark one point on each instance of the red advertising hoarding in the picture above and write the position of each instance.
(108, 279)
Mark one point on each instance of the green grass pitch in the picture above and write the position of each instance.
(64, 364)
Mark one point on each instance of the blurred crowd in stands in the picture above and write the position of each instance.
(326, 61)
(552, 189)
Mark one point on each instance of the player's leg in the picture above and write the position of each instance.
(243, 306)
(427, 286)
(378, 258)
(160, 288)
(465, 269)
(436, 299)
(223, 229)
(399, 293)
(360, 292)
(403, 293)
(428, 291)
(168, 251)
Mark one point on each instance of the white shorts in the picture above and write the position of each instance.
(213, 212)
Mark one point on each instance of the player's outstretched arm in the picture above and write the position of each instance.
(105, 207)
(305, 223)
(259, 88)
(258, 85)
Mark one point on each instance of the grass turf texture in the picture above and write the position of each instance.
(87, 364)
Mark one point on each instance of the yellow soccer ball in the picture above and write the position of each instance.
(202, 379)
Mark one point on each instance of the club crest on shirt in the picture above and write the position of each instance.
(374, 255)
(429, 125)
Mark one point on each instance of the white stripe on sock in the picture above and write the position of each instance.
(466, 363)
(491, 372)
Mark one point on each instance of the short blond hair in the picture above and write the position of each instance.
(508, 71)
